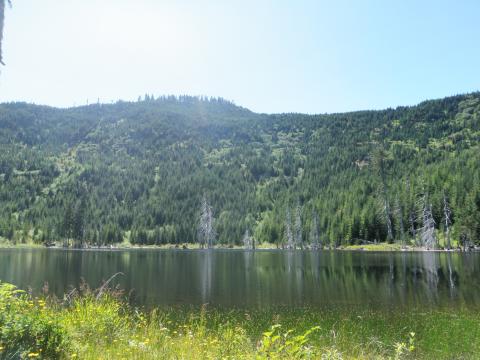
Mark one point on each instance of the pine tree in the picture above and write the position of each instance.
(468, 221)
(78, 230)
(67, 226)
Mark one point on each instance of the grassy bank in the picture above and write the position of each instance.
(96, 325)
(262, 246)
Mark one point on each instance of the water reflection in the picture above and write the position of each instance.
(255, 278)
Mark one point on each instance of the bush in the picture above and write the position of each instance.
(28, 329)
(278, 345)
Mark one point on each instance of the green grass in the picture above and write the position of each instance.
(394, 247)
(375, 247)
(4, 243)
(90, 325)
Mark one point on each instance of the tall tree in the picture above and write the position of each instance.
(2, 22)
(314, 237)
(298, 226)
(78, 230)
(399, 217)
(379, 159)
(447, 220)
(68, 225)
(288, 229)
(206, 228)
(411, 210)
(468, 220)
(427, 237)
(247, 240)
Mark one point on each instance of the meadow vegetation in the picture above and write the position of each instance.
(99, 324)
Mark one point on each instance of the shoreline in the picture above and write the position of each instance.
(265, 247)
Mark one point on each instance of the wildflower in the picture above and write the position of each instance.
(33, 355)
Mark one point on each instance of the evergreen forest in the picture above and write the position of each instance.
(141, 172)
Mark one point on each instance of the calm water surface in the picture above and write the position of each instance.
(255, 279)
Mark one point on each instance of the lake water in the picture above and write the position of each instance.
(255, 279)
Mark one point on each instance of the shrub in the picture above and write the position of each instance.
(28, 329)
(278, 345)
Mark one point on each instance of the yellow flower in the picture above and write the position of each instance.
(1, 348)
(33, 355)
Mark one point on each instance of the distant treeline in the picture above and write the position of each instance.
(139, 172)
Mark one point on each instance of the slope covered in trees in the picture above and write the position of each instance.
(139, 171)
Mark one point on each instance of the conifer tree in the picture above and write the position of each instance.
(68, 225)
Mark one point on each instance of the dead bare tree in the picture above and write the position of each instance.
(206, 230)
(411, 211)
(247, 240)
(428, 229)
(298, 227)
(399, 217)
(379, 161)
(314, 237)
(411, 220)
(2, 22)
(447, 219)
(288, 229)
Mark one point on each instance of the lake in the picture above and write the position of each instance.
(238, 278)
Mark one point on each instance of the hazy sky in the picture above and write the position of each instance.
(269, 56)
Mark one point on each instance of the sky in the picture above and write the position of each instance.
(269, 56)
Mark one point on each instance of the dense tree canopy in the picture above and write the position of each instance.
(138, 171)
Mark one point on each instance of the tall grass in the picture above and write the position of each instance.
(100, 325)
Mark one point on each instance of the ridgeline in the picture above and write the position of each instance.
(138, 171)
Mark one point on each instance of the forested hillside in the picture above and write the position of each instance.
(138, 171)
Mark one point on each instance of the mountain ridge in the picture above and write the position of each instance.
(138, 170)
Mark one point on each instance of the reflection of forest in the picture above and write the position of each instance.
(255, 278)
